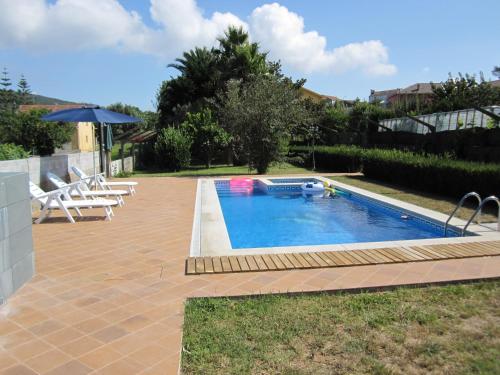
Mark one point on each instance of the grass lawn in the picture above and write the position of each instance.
(431, 201)
(223, 170)
(439, 330)
(115, 151)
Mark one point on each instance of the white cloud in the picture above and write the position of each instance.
(38, 25)
(282, 33)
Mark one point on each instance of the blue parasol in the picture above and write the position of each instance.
(95, 115)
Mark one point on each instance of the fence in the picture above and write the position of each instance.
(443, 121)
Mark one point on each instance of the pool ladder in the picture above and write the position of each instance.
(480, 205)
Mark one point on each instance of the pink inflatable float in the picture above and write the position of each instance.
(241, 184)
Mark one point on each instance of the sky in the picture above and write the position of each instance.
(108, 51)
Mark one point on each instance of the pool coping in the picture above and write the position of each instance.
(213, 238)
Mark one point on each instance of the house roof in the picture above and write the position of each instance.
(495, 83)
(320, 96)
(384, 92)
(417, 88)
(50, 107)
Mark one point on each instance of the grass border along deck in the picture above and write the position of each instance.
(290, 261)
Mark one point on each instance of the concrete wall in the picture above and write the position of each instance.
(17, 261)
(60, 164)
(117, 166)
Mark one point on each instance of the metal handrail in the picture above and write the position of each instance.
(459, 205)
(490, 198)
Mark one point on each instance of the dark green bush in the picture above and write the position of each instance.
(172, 149)
(432, 173)
(10, 151)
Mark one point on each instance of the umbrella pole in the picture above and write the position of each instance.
(101, 147)
(93, 155)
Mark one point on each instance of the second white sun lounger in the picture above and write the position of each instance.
(80, 189)
(60, 199)
(100, 181)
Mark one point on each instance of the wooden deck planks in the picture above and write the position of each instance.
(344, 258)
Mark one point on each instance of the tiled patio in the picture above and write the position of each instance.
(108, 296)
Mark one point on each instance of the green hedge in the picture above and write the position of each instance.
(10, 151)
(432, 173)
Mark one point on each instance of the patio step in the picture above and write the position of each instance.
(345, 258)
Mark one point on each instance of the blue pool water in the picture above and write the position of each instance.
(260, 219)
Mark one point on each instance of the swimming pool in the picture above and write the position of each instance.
(282, 215)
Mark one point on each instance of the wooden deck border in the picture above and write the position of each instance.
(344, 258)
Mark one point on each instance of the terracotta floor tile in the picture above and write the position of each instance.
(91, 325)
(6, 360)
(47, 327)
(72, 367)
(117, 315)
(129, 343)
(19, 370)
(47, 361)
(81, 346)
(7, 327)
(149, 355)
(30, 349)
(16, 338)
(125, 366)
(134, 323)
(100, 357)
(109, 334)
(63, 336)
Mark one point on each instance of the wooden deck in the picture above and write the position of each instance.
(288, 261)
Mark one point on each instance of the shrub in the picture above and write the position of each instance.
(123, 174)
(27, 129)
(432, 173)
(172, 149)
(208, 137)
(10, 151)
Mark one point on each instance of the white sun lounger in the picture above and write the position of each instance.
(80, 189)
(60, 199)
(100, 181)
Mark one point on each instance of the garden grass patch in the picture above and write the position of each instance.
(427, 200)
(451, 329)
(223, 170)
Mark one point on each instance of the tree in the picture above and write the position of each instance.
(463, 92)
(198, 81)
(208, 137)
(172, 149)
(36, 136)
(263, 112)
(8, 97)
(205, 72)
(24, 91)
(496, 71)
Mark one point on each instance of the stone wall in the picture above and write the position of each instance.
(60, 164)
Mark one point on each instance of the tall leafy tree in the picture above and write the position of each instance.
(204, 72)
(463, 92)
(197, 83)
(263, 113)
